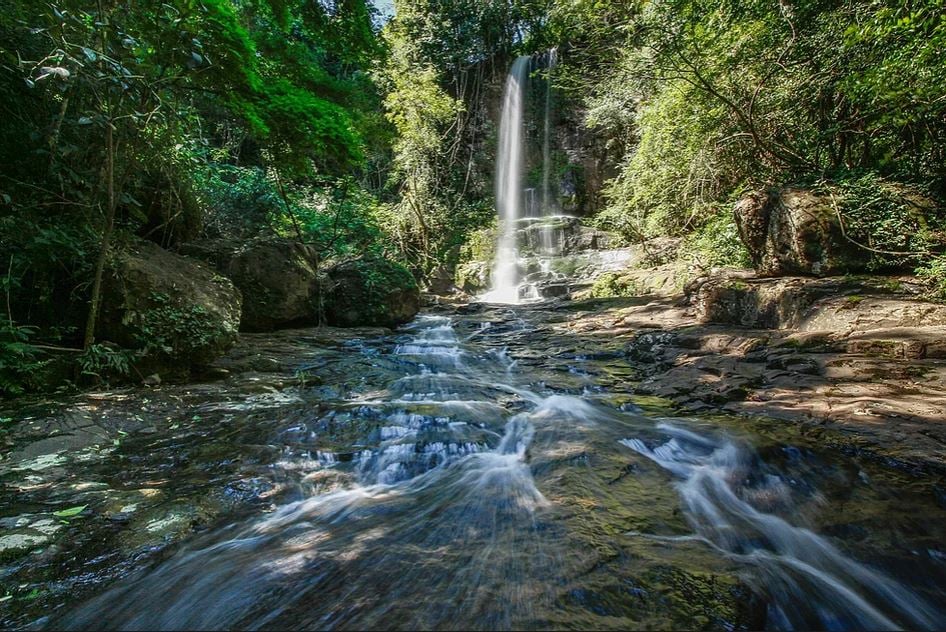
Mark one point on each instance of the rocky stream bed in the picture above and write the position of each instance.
(567, 464)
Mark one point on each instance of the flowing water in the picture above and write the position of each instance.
(519, 207)
(509, 193)
(483, 470)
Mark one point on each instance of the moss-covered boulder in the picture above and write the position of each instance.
(370, 291)
(178, 312)
(279, 279)
(795, 231)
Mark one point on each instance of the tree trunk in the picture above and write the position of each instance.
(95, 302)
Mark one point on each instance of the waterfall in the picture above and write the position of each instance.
(512, 200)
(509, 165)
(548, 202)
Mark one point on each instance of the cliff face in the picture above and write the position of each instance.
(575, 160)
(592, 159)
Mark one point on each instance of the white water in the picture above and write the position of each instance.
(792, 564)
(509, 164)
(459, 514)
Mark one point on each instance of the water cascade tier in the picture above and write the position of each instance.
(480, 469)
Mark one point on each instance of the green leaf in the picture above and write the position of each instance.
(70, 512)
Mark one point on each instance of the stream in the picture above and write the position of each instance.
(480, 468)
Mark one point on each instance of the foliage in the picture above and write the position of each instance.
(103, 362)
(175, 333)
(170, 120)
(446, 59)
(933, 271)
(672, 171)
(716, 242)
(19, 360)
(240, 200)
(897, 226)
(480, 245)
(614, 284)
(709, 97)
(340, 218)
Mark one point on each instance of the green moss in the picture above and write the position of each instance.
(614, 284)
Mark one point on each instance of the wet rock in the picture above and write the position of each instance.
(179, 312)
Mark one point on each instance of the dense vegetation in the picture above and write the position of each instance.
(183, 119)
(710, 98)
(168, 121)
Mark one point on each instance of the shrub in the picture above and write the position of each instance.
(19, 360)
(178, 334)
(897, 225)
(613, 284)
(933, 271)
(716, 243)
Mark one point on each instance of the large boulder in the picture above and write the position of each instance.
(441, 280)
(279, 279)
(795, 231)
(473, 276)
(370, 291)
(177, 311)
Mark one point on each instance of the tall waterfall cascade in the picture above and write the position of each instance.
(509, 164)
(519, 206)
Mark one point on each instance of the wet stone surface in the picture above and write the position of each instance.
(483, 467)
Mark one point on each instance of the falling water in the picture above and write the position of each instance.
(537, 204)
(509, 166)
(548, 201)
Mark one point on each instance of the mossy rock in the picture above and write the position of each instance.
(371, 291)
(177, 312)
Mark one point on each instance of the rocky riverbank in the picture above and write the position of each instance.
(865, 356)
